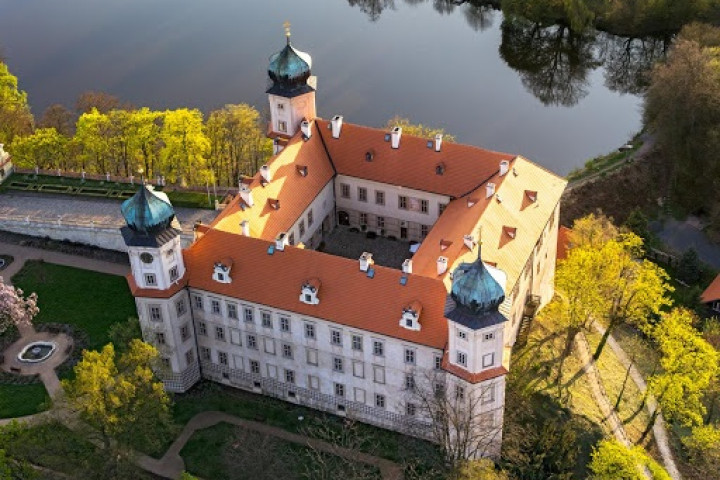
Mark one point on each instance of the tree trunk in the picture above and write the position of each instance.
(650, 425)
(569, 340)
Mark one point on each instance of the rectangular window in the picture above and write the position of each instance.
(359, 369)
(287, 351)
(269, 345)
(437, 362)
(379, 197)
(204, 353)
(184, 332)
(150, 280)
(282, 126)
(313, 382)
(291, 239)
(488, 360)
(266, 319)
(310, 218)
(409, 382)
(284, 324)
(345, 190)
(362, 194)
(235, 336)
(461, 359)
(202, 328)
(197, 302)
(424, 206)
(359, 395)
(248, 315)
(335, 337)
(402, 202)
(165, 363)
(410, 409)
(301, 227)
(488, 395)
(311, 356)
(459, 392)
(338, 364)
(441, 208)
(357, 343)
(379, 400)
(215, 306)
(272, 371)
(310, 331)
(181, 307)
(173, 274)
(232, 311)
(252, 341)
(255, 367)
(363, 219)
(380, 222)
(189, 357)
(222, 358)
(461, 334)
(160, 338)
(410, 356)
(424, 230)
(489, 336)
(378, 374)
(378, 348)
(290, 376)
(220, 334)
(155, 314)
(339, 390)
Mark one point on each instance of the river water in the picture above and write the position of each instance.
(434, 62)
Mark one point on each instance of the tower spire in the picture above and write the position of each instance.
(479, 240)
(287, 31)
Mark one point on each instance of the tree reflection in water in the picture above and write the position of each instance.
(628, 61)
(553, 62)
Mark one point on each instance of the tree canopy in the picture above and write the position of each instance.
(611, 460)
(15, 116)
(418, 129)
(14, 308)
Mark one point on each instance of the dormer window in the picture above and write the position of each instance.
(531, 195)
(411, 316)
(309, 292)
(440, 168)
(221, 271)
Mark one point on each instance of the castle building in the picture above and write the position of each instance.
(253, 304)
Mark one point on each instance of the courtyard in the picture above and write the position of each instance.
(351, 243)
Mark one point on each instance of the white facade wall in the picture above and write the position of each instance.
(289, 112)
(394, 216)
(164, 259)
(322, 206)
(483, 348)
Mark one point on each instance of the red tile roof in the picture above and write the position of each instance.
(348, 296)
(413, 165)
(712, 292)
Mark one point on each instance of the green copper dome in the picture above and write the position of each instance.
(289, 70)
(146, 212)
(475, 289)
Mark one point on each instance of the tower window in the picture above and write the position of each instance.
(155, 314)
(281, 107)
(461, 359)
(173, 274)
(150, 280)
(282, 126)
(488, 360)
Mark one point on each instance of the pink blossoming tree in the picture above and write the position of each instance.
(14, 308)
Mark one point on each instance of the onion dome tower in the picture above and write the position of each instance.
(151, 229)
(292, 93)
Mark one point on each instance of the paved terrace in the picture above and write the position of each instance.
(72, 210)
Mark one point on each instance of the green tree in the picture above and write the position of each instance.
(592, 230)
(185, 146)
(15, 116)
(703, 447)
(118, 396)
(638, 223)
(44, 148)
(417, 129)
(689, 365)
(482, 469)
(689, 267)
(58, 117)
(122, 334)
(94, 140)
(611, 460)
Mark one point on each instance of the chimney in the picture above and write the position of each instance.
(246, 194)
(365, 261)
(442, 264)
(490, 189)
(336, 124)
(305, 129)
(504, 167)
(265, 173)
(281, 241)
(469, 241)
(395, 135)
(245, 228)
(438, 142)
(407, 266)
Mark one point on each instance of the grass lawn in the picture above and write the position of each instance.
(21, 400)
(231, 452)
(88, 300)
(415, 454)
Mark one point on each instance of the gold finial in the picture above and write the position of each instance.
(287, 30)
